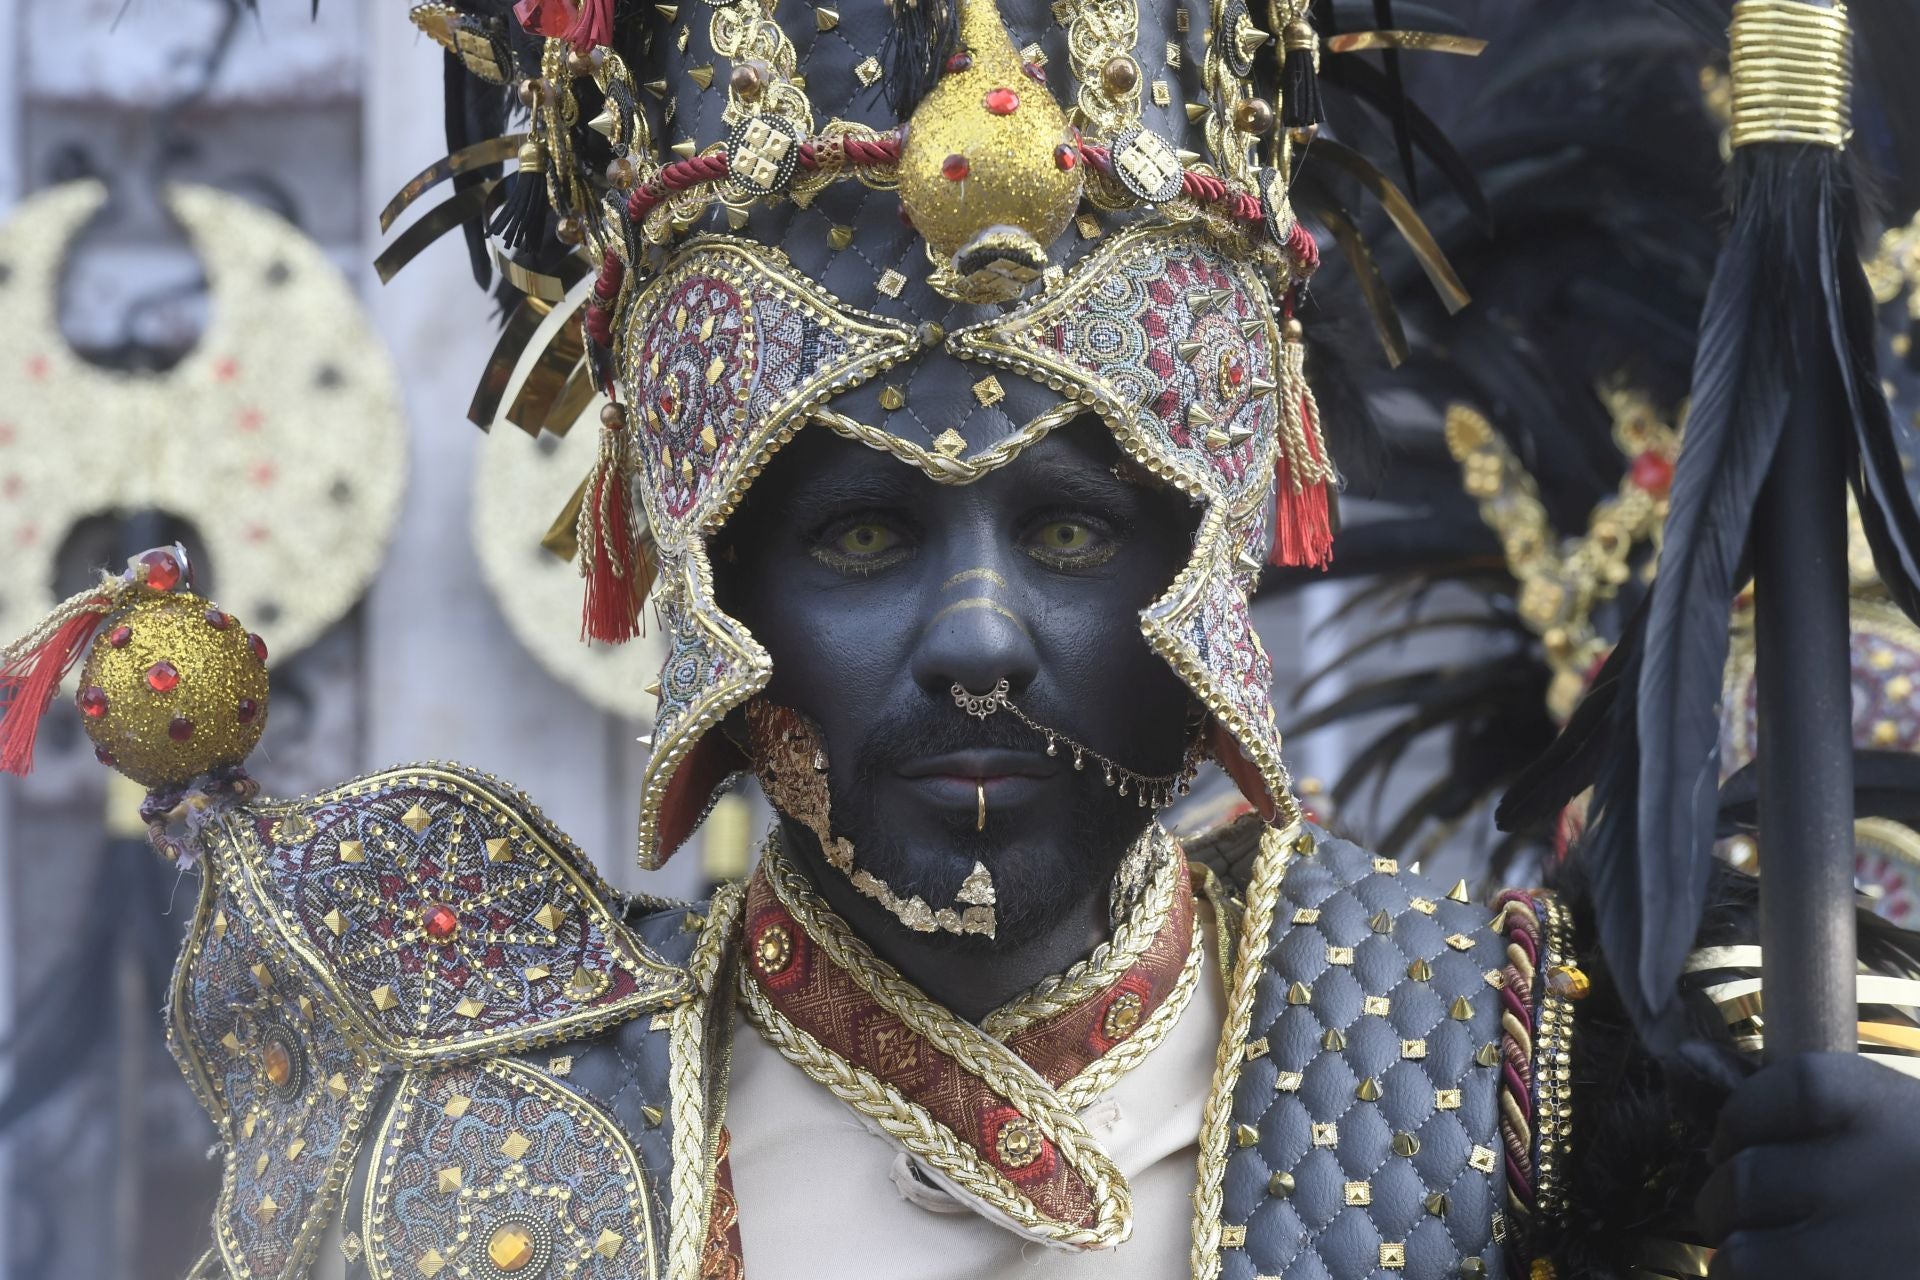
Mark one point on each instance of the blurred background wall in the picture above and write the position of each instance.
(318, 121)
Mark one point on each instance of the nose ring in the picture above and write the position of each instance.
(980, 705)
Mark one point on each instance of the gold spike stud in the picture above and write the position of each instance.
(671, 12)
(1196, 112)
(1245, 1135)
(608, 1244)
(825, 19)
(1261, 386)
(1381, 922)
(416, 819)
(1280, 1184)
(1459, 891)
(658, 88)
(654, 1116)
(1197, 416)
(1253, 328)
(1369, 1090)
(335, 921)
(549, 918)
(448, 1179)
(1189, 349)
(1335, 1041)
(337, 1084)
(684, 148)
(383, 998)
(701, 75)
(1488, 1055)
(499, 849)
(892, 399)
(603, 124)
(1420, 971)
(1462, 1010)
(1405, 1144)
(516, 1145)
(1437, 1204)
(1299, 993)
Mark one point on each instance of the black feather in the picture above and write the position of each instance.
(924, 34)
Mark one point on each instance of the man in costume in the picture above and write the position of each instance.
(952, 501)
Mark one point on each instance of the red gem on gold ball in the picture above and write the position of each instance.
(959, 60)
(1002, 102)
(440, 922)
(118, 637)
(1035, 72)
(163, 571)
(219, 619)
(93, 702)
(1065, 156)
(259, 647)
(103, 755)
(1653, 473)
(163, 676)
(180, 729)
(246, 711)
(955, 168)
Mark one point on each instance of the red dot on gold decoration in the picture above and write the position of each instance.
(118, 637)
(1653, 473)
(180, 729)
(246, 711)
(1066, 157)
(1002, 101)
(1035, 72)
(440, 922)
(163, 676)
(219, 620)
(92, 701)
(103, 755)
(959, 60)
(955, 168)
(163, 571)
(259, 647)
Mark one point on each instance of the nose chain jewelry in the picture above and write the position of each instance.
(1155, 790)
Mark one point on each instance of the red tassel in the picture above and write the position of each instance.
(1303, 524)
(616, 555)
(1302, 505)
(551, 18)
(593, 27)
(33, 671)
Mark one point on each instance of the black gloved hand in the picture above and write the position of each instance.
(1817, 1173)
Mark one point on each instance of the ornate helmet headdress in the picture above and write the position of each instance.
(942, 233)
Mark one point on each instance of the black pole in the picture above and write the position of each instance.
(1805, 766)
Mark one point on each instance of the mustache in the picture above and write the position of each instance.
(936, 728)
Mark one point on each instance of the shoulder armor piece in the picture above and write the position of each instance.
(446, 914)
(1360, 1067)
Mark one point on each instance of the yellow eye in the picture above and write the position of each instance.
(1065, 535)
(866, 540)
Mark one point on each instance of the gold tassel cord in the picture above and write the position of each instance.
(1792, 72)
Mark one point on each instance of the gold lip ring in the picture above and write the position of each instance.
(980, 816)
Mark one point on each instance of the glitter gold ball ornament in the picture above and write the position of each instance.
(979, 172)
(172, 689)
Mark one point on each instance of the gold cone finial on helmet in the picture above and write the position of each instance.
(989, 173)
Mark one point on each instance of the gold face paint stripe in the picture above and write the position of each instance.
(981, 602)
(975, 575)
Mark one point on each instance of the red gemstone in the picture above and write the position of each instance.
(955, 168)
(1002, 101)
(93, 702)
(1035, 72)
(1653, 473)
(103, 755)
(247, 710)
(180, 728)
(259, 647)
(163, 571)
(162, 676)
(118, 637)
(1065, 156)
(440, 921)
(959, 60)
(1236, 374)
(219, 620)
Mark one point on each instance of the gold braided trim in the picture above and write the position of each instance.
(1109, 961)
(1103, 1072)
(999, 1067)
(1792, 73)
(1263, 894)
(696, 1134)
(939, 467)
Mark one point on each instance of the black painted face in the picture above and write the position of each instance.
(876, 590)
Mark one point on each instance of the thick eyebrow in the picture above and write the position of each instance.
(877, 488)
(1080, 484)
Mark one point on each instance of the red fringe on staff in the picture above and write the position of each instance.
(31, 676)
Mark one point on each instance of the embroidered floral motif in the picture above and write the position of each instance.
(485, 1169)
(447, 920)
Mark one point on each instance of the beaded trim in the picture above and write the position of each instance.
(1536, 1089)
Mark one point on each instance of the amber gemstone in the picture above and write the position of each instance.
(1653, 474)
(163, 571)
(118, 637)
(440, 921)
(1002, 102)
(162, 676)
(258, 646)
(955, 168)
(93, 702)
(180, 729)
(246, 711)
(510, 1247)
(278, 1063)
(219, 619)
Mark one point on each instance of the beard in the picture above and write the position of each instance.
(1045, 867)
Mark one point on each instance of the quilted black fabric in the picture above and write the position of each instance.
(939, 389)
(1366, 1131)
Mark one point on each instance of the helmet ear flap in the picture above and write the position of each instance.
(1244, 772)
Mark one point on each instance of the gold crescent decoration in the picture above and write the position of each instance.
(280, 436)
(518, 486)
